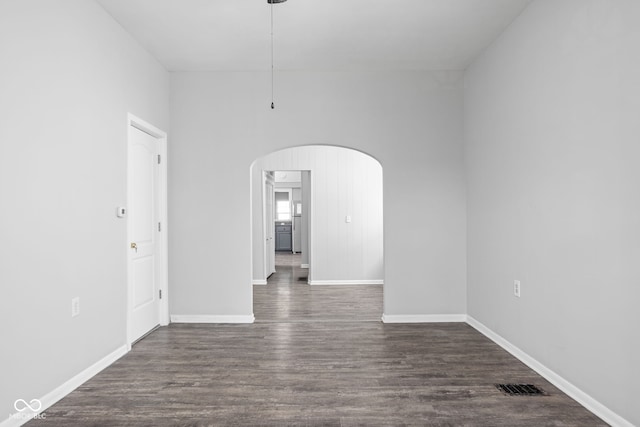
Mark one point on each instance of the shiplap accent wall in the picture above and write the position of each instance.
(343, 182)
(306, 207)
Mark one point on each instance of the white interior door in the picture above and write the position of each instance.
(144, 229)
(269, 224)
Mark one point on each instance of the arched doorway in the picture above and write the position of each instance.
(344, 208)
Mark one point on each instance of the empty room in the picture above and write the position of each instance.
(335, 213)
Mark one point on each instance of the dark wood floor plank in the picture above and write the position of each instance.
(287, 298)
(286, 370)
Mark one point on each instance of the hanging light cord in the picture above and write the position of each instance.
(272, 104)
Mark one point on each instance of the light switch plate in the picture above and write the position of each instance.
(75, 306)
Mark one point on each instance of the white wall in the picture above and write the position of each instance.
(69, 76)
(552, 122)
(343, 182)
(306, 207)
(288, 176)
(410, 121)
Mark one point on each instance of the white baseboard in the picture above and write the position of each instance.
(63, 390)
(346, 282)
(567, 387)
(259, 282)
(423, 318)
(211, 318)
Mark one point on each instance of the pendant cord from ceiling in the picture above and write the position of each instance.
(272, 104)
(271, 2)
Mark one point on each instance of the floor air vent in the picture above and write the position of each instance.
(520, 390)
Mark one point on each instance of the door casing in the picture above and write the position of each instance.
(134, 122)
(268, 221)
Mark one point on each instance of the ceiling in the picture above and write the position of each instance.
(207, 35)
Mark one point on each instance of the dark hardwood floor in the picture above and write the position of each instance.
(289, 298)
(306, 362)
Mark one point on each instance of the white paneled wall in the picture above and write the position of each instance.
(306, 207)
(344, 182)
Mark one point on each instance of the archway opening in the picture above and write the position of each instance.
(340, 201)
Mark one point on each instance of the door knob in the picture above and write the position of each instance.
(134, 246)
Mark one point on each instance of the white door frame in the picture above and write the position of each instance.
(310, 209)
(134, 122)
(268, 248)
(310, 218)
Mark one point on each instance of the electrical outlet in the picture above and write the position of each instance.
(347, 219)
(75, 306)
(516, 288)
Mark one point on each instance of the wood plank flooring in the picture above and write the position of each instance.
(294, 367)
(288, 297)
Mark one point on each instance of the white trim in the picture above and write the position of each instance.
(304, 265)
(423, 318)
(310, 226)
(163, 279)
(345, 282)
(258, 282)
(267, 179)
(67, 387)
(211, 318)
(606, 414)
(164, 234)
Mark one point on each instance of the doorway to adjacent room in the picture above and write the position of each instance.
(333, 268)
